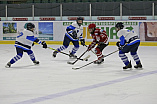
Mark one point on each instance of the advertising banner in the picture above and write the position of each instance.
(43, 30)
(148, 31)
(9, 30)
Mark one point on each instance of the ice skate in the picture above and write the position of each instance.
(138, 66)
(8, 65)
(127, 67)
(36, 62)
(72, 56)
(54, 53)
(99, 61)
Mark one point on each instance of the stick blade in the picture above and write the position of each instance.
(75, 68)
(71, 63)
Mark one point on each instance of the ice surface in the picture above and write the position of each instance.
(55, 82)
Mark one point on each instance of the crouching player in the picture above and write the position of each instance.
(129, 42)
(100, 38)
(24, 43)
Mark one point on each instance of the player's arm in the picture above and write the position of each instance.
(121, 35)
(71, 31)
(92, 45)
(82, 40)
(35, 39)
(121, 41)
(104, 37)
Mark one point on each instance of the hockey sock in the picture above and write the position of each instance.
(98, 53)
(31, 55)
(74, 50)
(135, 57)
(16, 58)
(61, 48)
(123, 57)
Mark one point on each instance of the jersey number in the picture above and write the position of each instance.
(20, 35)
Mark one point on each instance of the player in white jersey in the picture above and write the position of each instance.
(24, 43)
(73, 34)
(129, 42)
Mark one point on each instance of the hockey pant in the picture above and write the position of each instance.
(99, 49)
(20, 54)
(66, 43)
(133, 51)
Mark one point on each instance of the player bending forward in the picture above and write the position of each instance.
(129, 42)
(73, 34)
(24, 43)
(99, 37)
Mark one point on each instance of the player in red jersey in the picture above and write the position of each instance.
(100, 38)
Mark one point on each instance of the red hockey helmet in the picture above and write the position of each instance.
(92, 25)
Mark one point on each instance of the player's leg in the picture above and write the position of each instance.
(74, 49)
(16, 58)
(98, 51)
(124, 58)
(32, 57)
(65, 45)
(135, 55)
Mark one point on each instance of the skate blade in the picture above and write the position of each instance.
(7, 66)
(139, 68)
(128, 69)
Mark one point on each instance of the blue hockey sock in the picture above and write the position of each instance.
(31, 55)
(135, 57)
(123, 57)
(61, 48)
(74, 50)
(16, 58)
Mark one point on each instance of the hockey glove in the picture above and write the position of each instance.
(119, 46)
(44, 44)
(82, 42)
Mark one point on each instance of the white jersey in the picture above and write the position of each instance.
(25, 39)
(74, 27)
(130, 36)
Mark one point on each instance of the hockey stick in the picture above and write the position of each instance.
(85, 59)
(72, 63)
(91, 50)
(94, 60)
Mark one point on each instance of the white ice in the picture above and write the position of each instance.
(55, 82)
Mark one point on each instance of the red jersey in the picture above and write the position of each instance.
(99, 37)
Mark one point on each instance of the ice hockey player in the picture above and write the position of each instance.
(24, 43)
(73, 34)
(99, 37)
(129, 42)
